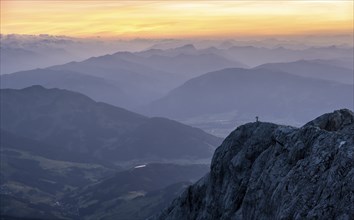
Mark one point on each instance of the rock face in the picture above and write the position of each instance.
(268, 171)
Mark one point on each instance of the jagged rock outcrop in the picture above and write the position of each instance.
(268, 171)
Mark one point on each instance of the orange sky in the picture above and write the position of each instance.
(178, 19)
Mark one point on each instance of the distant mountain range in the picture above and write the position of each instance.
(15, 59)
(141, 83)
(133, 79)
(146, 81)
(239, 95)
(317, 69)
(21, 52)
(255, 56)
(185, 62)
(95, 87)
(123, 79)
(76, 123)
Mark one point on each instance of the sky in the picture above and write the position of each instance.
(176, 19)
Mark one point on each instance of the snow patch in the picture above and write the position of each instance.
(341, 144)
(140, 166)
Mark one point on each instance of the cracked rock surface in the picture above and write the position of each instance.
(269, 171)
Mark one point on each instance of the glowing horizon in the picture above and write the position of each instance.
(178, 19)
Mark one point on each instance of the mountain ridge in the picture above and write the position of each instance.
(232, 96)
(313, 69)
(79, 124)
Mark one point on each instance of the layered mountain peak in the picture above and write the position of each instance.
(186, 47)
(268, 171)
(95, 130)
(34, 88)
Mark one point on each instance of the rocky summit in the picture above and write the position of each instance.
(268, 171)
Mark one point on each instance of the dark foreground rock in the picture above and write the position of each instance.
(268, 171)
